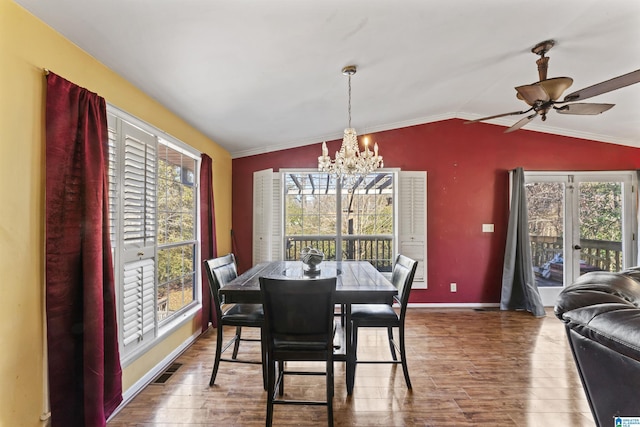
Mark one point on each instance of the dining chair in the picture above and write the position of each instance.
(299, 326)
(385, 316)
(221, 271)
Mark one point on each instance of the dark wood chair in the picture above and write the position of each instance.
(221, 271)
(299, 326)
(384, 316)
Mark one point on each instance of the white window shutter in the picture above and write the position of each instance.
(262, 215)
(139, 188)
(112, 174)
(276, 217)
(412, 222)
(137, 271)
(138, 302)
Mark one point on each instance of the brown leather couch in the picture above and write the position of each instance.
(601, 312)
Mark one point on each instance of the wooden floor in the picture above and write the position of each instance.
(468, 368)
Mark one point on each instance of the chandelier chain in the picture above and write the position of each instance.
(349, 107)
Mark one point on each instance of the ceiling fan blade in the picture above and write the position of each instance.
(532, 93)
(604, 87)
(513, 113)
(584, 108)
(521, 123)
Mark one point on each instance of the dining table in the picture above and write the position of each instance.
(357, 282)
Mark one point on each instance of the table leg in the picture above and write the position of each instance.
(350, 351)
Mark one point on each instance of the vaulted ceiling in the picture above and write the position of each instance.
(258, 75)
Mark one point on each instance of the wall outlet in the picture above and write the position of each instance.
(454, 287)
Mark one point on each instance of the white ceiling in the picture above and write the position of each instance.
(258, 75)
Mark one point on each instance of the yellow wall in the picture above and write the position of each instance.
(26, 47)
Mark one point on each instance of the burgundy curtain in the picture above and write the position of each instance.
(85, 377)
(208, 243)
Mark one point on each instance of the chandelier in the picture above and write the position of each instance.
(349, 160)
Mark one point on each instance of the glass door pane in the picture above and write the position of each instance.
(600, 226)
(545, 202)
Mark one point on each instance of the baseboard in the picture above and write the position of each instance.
(453, 305)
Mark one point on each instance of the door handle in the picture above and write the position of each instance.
(577, 247)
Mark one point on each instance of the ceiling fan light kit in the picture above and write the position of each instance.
(543, 95)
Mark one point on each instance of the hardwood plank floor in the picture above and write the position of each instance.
(467, 367)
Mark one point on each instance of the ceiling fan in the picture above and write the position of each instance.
(542, 96)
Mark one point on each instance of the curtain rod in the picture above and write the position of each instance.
(46, 71)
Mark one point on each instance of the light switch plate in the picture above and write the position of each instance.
(487, 228)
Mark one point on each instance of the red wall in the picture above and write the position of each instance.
(467, 186)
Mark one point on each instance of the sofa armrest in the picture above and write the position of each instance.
(598, 287)
(615, 326)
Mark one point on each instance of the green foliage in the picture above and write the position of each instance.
(176, 230)
(601, 211)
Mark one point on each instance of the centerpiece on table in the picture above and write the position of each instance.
(311, 259)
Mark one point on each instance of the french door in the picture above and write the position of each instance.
(579, 222)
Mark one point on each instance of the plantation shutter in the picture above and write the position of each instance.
(138, 301)
(138, 236)
(277, 220)
(412, 221)
(262, 215)
(139, 188)
(112, 174)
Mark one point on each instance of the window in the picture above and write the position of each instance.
(372, 219)
(153, 206)
(346, 222)
(176, 231)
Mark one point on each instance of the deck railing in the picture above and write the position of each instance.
(378, 250)
(602, 254)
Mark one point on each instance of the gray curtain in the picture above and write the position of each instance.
(519, 289)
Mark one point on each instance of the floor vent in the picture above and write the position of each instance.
(164, 377)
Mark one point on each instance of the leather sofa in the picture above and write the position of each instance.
(601, 312)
